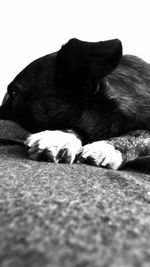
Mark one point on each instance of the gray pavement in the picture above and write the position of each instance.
(71, 215)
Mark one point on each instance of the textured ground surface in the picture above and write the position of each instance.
(71, 216)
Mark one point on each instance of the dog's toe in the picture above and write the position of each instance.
(65, 156)
(42, 155)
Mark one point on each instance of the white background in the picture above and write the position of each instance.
(32, 28)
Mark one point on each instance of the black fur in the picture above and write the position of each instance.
(88, 87)
(80, 64)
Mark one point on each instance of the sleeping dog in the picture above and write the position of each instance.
(87, 102)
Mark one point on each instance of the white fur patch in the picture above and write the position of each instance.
(102, 154)
(54, 142)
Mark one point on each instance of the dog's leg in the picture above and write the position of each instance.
(115, 152)
(54, 146)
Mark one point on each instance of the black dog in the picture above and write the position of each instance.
(87, 102)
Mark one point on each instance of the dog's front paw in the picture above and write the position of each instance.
(101, 153)
(53, 146)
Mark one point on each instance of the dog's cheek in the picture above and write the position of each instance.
(22, 114)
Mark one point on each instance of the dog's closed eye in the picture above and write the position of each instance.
(14, 94)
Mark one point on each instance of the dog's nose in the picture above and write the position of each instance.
(6, 96)
(6, 108)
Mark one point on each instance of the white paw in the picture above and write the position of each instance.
(53, 146)
(101, 153)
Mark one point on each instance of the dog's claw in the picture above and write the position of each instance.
(64, 156)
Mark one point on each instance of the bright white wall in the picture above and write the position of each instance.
(32, 28)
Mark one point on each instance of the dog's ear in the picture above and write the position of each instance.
(81, 64)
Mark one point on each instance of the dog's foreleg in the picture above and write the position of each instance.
(115, 152)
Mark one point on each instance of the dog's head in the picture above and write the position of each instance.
(40, 96)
